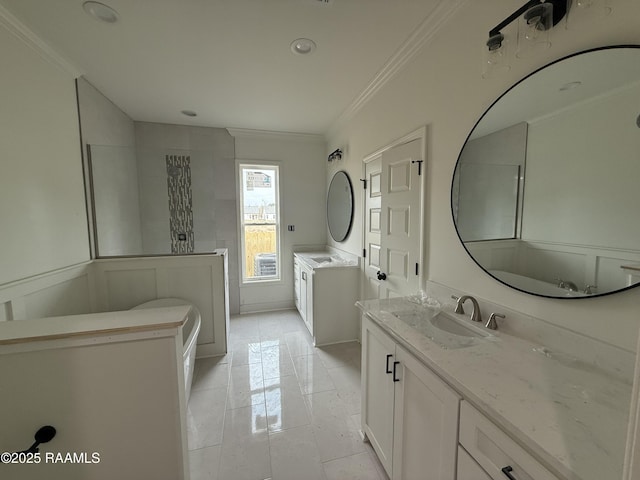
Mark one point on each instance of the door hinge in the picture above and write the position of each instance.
(419, 162)
(364, 253)
(364, 183)
(416, 268)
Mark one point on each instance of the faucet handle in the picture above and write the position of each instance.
(588, 289)
(492, 324)
(459, 308)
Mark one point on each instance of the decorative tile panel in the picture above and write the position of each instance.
(180, 203)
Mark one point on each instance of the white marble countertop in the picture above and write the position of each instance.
(566, 413)
(93, 324)
(324, 259)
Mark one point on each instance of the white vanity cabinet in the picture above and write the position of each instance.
(306, 296)
(409, 415)
(494, 453)
(325, 297)
(303, 289)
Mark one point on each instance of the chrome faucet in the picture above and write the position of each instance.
(475, 313)
(492, 324)
(567, 285)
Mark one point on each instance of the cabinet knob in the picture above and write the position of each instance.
(381, 275)
(507, 471)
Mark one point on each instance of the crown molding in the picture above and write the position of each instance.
(272, 135)
(407, 51)
(33, 41)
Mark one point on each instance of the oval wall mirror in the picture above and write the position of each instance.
(545, 192)
(340, 206)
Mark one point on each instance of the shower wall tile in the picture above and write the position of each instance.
(225, 144)
(226, 219)
(202, 138)
(224, 178)
(204, 245)
(160, 135)
(213, 190)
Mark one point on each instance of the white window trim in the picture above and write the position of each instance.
(240, 165)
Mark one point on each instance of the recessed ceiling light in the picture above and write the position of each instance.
(101, 12)
(570, 86)
(303, 46)
(189, 113)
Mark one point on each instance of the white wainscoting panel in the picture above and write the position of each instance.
(123, 283)
(67, 291)
(545, 261)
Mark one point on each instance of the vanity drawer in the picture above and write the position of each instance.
(495, 451)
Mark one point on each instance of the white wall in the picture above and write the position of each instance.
(599, 175)
(42, 207)
(303, 189)
(442, 88)
(115, 172)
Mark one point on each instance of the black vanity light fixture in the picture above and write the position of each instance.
(535, 18)
(539, 15)
(335, 155)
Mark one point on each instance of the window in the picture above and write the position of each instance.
(259, 222)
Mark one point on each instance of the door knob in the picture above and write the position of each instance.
(381, 276)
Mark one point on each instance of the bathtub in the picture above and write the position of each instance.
(190, 331)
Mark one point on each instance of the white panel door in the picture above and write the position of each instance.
(373, 222)
(401, 219)
(425, 423)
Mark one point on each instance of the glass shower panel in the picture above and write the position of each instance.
(115, 200)
(487, 201)
(157, 201)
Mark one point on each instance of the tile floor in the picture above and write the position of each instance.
(278, 408)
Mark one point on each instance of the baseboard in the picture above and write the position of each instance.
(208, 350)
(267, 307)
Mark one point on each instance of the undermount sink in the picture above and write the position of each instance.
(444, 329)
(457, 326)
(321, 259)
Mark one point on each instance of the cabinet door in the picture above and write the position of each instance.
(309, 300)
(377, 390)
(296, 282)
(468, 469)
(425, 423)
(303, 294)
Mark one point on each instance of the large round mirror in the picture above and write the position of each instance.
(340, 206)
(545, 193)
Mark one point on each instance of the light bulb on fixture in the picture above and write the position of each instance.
(533, 29)
(535, 18)
(495, 58)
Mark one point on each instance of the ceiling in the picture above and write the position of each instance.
(230, 60)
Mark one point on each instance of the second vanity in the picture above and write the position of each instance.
(445, 396)
(326, 288)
